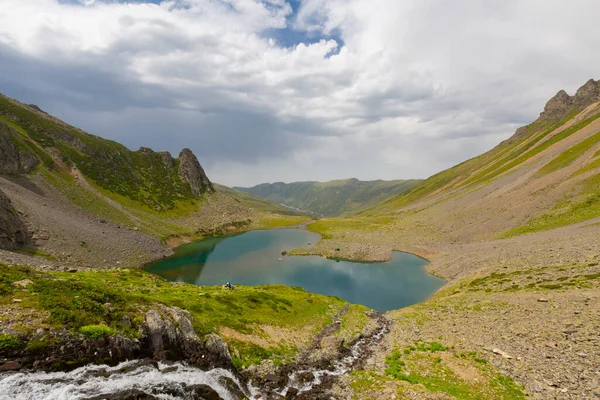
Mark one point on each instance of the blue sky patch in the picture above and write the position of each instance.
(284, 37)
(290, 37)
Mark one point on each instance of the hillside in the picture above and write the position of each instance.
(333, 198)
(544, 176)
(74, 199)
(256, 202)
(515, 233)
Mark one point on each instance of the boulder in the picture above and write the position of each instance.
(203, 392)
(23, 284)
(168, 334)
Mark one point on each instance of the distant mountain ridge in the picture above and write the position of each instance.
(257, 202)
(332, 198)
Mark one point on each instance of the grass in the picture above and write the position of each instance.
(84, 198)
(424, 365)
(31, 251)
(330, 227)
(138, 175)
(334, 198)
(353, 322)
(256, 202)
(559, 277)
(488, 166)
(246, 354)
(568, 157)
(595, 163)
(98, 331)
(280, 221)
(510, 159)
(98, 302)
(9, 342)
(538, 149)
(24, 142)
(123, 211)
(462, 173)
(584, 206)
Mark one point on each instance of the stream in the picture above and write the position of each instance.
(148, 380)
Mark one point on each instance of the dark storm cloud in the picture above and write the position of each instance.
(260, 91)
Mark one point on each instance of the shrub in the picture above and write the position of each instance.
(8, 342)
(97, 331)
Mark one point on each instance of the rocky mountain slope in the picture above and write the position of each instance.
(76, 200)
(515, 232)
(333, 198)
(544, 176)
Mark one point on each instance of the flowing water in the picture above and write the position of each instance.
(254, 258)
(163, 381)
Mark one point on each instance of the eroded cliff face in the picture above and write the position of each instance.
(13, 232)
(191, 172)
(14, 158)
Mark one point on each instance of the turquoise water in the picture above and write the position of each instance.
(252, 259)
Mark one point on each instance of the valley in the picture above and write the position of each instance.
(514, 233)
(331, 199)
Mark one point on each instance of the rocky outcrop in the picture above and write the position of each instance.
(167, 159)
(191, 172)
(14, 157)
(562, 104)
(166, 334)
(13, 232)
(36, 108)
(169, 335)
(559, 107)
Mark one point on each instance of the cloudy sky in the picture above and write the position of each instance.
(287, 90)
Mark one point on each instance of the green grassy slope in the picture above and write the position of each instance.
(141, 175)
(256, 202)
(78, 302)
(510, 156)
(333, 198)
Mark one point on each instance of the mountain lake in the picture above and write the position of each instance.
(254, 258)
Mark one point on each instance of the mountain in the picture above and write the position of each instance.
(515, 234)
(333, 198)
(544, 176)
(257, 202)
(29, 137)
(77, 199)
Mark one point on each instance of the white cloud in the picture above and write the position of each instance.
(412, 87)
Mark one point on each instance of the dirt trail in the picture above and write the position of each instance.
(80, 178)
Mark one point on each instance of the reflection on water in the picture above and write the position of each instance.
(252, 259)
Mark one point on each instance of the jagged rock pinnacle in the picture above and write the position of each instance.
(562, 104)
(191, 172)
